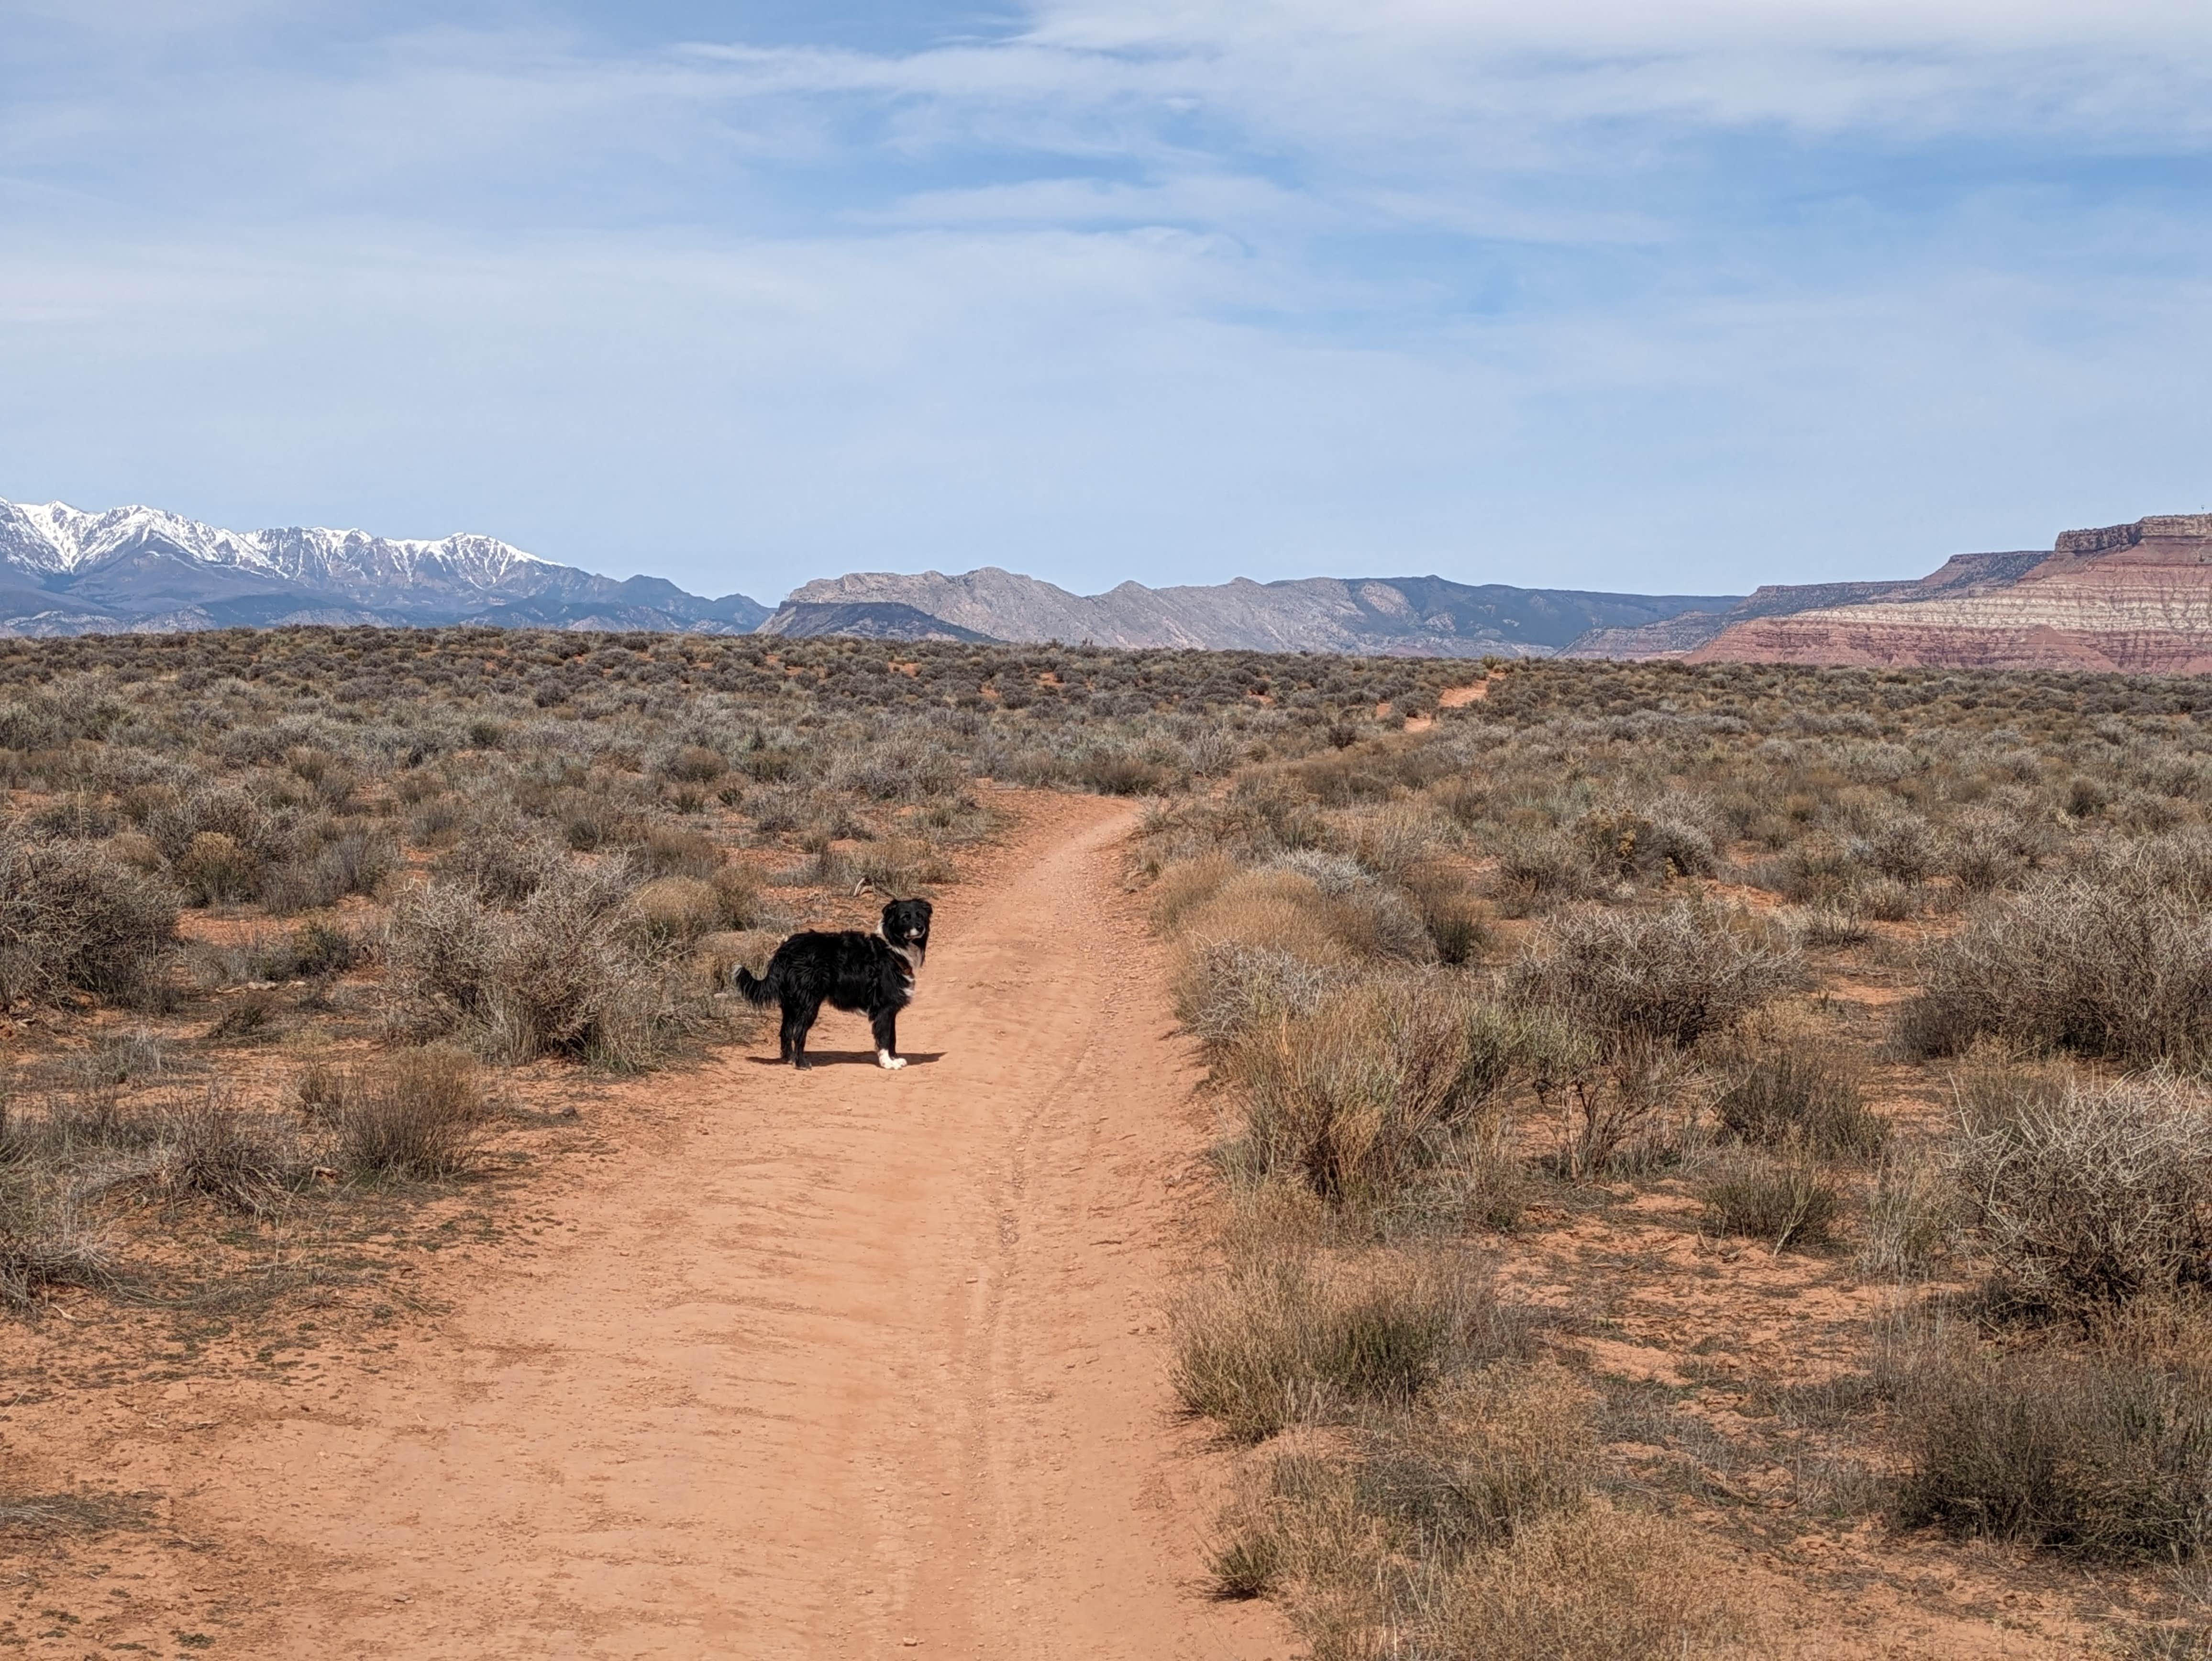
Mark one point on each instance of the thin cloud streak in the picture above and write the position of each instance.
(1683, 298)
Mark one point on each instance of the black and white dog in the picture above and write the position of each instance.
(870, 975)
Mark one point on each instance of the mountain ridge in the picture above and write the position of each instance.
(1429, 617)
(140, 569)
(2135, 596)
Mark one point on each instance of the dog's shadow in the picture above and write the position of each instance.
(849, 1058)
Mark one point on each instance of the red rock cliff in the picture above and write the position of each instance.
(2132, 596)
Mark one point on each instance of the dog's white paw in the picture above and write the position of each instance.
(889, 1062)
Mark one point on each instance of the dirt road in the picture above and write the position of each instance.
(843, 1363)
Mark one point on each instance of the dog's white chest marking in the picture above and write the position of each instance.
(910, 980)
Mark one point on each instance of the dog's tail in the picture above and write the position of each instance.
(760, 990)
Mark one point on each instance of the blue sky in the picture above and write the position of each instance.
(1594, 294)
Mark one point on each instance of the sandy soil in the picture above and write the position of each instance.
(841, 1363)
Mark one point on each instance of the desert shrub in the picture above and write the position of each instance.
(1116, 774)
(2106, 964)
(1912, 1218)
(1989, 848)
(737, 898)
(355, 862)
(668, 852)
(679, 908)
(1887, 899)
(75, 917)
(1354, 1097)
(1376, 921)
(1285, 1339)
(1673, 976)
(242, 1160)
(1833, 925)
(1817, 871)
(503, 864)
(1224, 989)
(137, 849)
(1537, 870)
(1485, 1453)
(901, 865)
(318, 951)
(1600, 1582)
(216, 869)
(251, 1018)
(417, 1114)
(2091, 1197)
(1647, 842)
(43, 1244)
(1902, 848)
(2085, 1452)
(1457, 922)
(256, 836)
(694, 763)
(571, 972)
(1791, 1093)
(1786, 1202)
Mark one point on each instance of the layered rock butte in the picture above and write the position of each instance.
(2124, 597)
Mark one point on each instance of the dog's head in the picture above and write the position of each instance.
(906, 926)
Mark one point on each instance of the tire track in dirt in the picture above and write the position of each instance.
(843, 1363)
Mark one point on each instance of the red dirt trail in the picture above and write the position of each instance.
(841, 1363)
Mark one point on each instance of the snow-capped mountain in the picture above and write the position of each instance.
(63, 571)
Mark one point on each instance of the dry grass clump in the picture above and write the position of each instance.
(74, 917)
(1458, 922)
(572, 971)
(2085, 1451)
(1600, 1582)
(1796, 1093)
(415, 1115)
(214, 1147)
(1913, 1218)
(2109, 964)
(679, 908)
(1786, 1202)
(1224, 989)
(1290, 1337)
(44, 1243)
(1283, 909)
(2091, 1196)
(1671, 976)
(1355, 1097)
(1481, 1456)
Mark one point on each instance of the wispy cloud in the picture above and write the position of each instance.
(1596, 292)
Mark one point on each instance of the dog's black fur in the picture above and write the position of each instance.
(872, 975)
